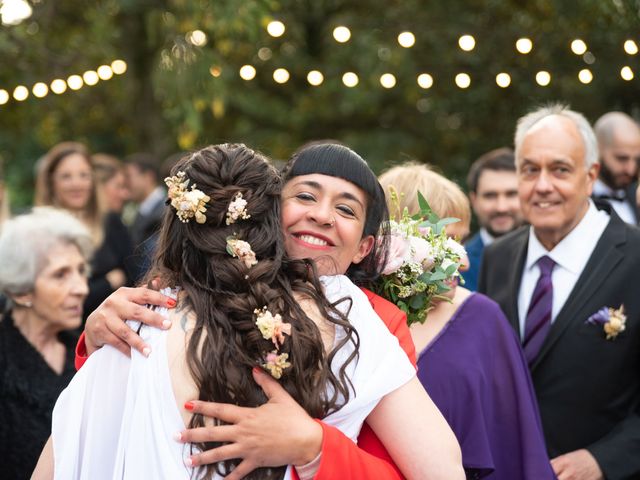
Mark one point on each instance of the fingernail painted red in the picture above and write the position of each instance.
(189, 405)
(171, 303)
(256, 370)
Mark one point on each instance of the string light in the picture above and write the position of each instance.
(350, 79)
(626, 73)
(503, 80)
(75, 82)
(524, 45)
(215, 71)
(407, 39)
(281, 75)
(388, 80)
(630, 47)
(4, 96)
(105, 72)
(276, 28)
(13, 12)
(247, 72)
(463, 80)
(585, 76)
(20, 93)
(58, 86)
(90, 77)
(578, 47)
(197, 38)
(40, 90)
(543, 78)
(341, 34)
(425, 81)
(315, 78)
(467, 43)
(119, 67)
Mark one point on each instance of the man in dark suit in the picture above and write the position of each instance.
(143, 176)
(493, 191)
(559, 282)
(619, 142)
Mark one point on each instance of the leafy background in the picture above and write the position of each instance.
(168, 100)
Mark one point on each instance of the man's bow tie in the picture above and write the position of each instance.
(619, 195)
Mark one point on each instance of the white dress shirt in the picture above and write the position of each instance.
(571, 255)
(148, 204)
(622, 207)
(487, 238)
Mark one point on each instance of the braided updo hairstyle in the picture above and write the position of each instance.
(223, 292)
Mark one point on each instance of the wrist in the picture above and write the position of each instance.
(311, 443)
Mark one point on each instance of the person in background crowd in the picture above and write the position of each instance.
(112, 181)
(493, 191)
(322, 182)
(143, 177)
(469, 360)
(569, 286)
(65, 180)
(619, 144)
(44, 258)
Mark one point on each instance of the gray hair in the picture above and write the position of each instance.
(26, 240)
(582, 124)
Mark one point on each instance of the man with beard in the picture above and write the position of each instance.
(619, 144)
(493, 190)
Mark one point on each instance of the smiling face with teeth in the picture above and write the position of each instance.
(554, 183)
(323, 218)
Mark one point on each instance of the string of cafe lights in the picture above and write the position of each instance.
(60, 86)
(406, 39)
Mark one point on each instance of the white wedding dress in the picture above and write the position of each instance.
(117, 417)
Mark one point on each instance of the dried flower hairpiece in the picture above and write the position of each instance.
(242, 250)
(237, 209)
(271, 326)
(276, 364)
(188, 203)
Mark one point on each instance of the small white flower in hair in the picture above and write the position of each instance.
(242, 250)
(275, 364)
(188, 203)
(271, 326)
(237, 209)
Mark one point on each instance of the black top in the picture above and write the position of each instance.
(116, 251)
(29, 389)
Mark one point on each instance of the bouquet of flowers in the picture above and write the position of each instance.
(422, 264)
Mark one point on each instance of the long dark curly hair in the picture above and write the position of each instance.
(223, 292)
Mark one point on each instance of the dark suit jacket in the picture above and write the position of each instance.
(588, 388)
(474, 247)
(144, 226)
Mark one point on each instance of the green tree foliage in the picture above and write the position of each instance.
(176, 95)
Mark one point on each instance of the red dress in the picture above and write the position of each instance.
(341, 458)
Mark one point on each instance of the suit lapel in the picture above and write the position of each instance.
(517, 259)
(605, 257)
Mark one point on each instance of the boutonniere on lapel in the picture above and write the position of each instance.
(612, 320)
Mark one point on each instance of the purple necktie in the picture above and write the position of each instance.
(538, 319)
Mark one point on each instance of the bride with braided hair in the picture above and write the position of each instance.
(242, 306)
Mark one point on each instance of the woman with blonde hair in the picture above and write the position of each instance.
(469, 359)
(66, 180)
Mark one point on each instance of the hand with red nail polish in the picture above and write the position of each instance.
(106, 325)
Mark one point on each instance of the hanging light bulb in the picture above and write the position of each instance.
(463, 80)
(503, 80)
(425, 80)
(341, 34)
